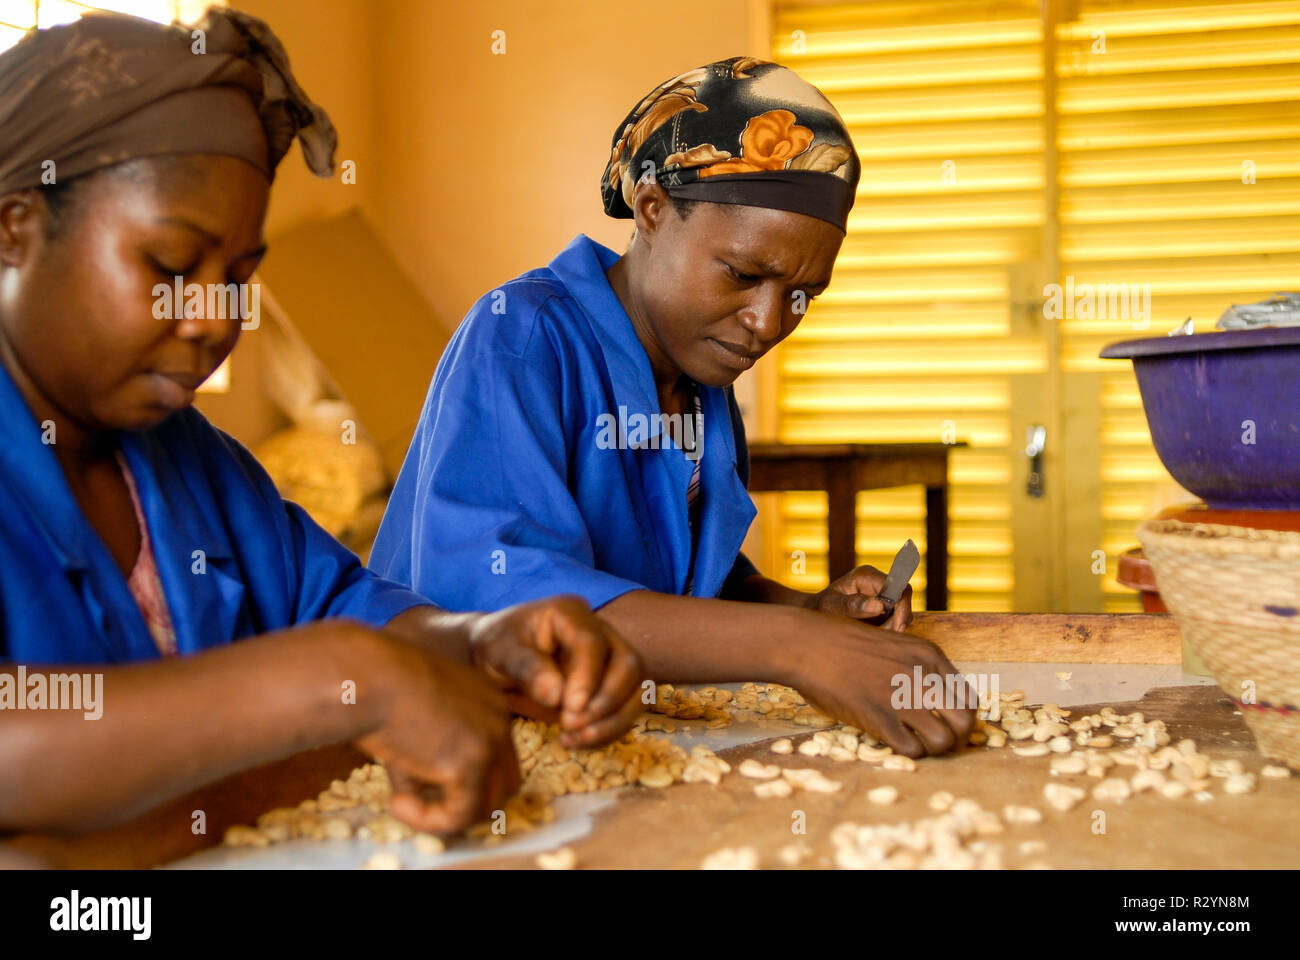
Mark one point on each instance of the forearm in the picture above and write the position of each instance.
(757, 588)
(434, 629)
(697, 640)
(172, 726)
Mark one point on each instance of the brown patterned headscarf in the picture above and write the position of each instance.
(110, 88)
(742, 131)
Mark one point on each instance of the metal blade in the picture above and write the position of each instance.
(905, 564)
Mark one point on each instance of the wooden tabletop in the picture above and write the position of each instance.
(677, 827)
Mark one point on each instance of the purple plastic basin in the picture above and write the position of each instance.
(1199, 391)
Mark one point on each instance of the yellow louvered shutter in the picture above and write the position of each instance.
(966, 210)
(1167, 112)
(919, 329)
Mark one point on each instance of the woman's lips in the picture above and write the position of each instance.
(175, 390)
(733, 355)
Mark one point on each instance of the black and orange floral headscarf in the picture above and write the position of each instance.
(740, 131)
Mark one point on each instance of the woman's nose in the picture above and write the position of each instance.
(762, 317)
(218, 315)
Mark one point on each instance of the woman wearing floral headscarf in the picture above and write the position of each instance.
(137, 541)
(581, 434)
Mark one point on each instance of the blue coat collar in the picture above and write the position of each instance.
(176, 529)
(581, 268)
(727, 509)
(210, 601)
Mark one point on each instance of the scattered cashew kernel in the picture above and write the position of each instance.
(1225, 768)
(1147, 780)
(1072, 763)
(731, 858)
(883, 795)
(811, 780)
(758, 771)
(773, 788)
(898, 762)
(1062, 796)
(791, 855)
(1112, 788)
(562, 859)
(428, 843)
(782, 746)
(1018, 814)
(1032, 750)
(242, 836)
(336, 828)
(1239, 783)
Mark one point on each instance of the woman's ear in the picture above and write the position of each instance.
(22, 216)
(649, 206)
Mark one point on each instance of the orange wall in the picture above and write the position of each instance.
(492, 163)
(332, 47)
(475, 167)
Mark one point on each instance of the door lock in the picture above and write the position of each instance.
(1035, 441)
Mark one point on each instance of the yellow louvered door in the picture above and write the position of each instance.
(929, 330)
(1008, 145)
(1168, 112)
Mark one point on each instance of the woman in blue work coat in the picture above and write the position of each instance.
(137, 541)
(581, 435)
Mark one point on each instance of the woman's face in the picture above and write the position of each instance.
(722, 286)
(77, 301)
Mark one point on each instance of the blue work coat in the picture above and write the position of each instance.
(233, 558)
(511, 489)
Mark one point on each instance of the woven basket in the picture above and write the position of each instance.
(1235, 594)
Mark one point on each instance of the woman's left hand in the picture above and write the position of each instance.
(559, 662)
(855, 595)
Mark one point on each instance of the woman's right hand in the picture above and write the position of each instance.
(851, 670)
(444, 736)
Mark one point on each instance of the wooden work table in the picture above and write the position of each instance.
(678, 826)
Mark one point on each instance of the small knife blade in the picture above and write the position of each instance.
(905, 563)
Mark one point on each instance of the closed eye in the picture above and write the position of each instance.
(743, 277)
(168, 272)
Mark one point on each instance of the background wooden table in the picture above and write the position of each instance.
(844, 469)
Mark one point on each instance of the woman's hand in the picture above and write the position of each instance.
(855, 595)
(444, 735)
(557, 661)
(865, 676)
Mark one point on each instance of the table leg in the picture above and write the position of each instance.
(841, 521)
(936, 547)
